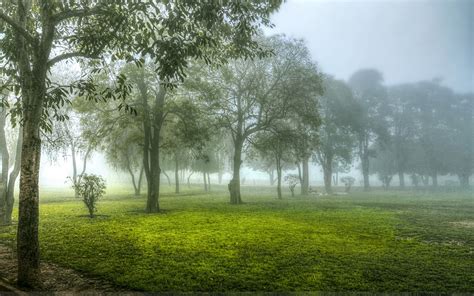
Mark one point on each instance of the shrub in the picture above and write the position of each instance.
(348, 181)
(90, 189)
(292, 181)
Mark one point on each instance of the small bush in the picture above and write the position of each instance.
(348, 181)
(292, 181)
(90, 189)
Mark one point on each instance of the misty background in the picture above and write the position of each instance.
(408, 41)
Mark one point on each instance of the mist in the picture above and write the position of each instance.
(236, 146)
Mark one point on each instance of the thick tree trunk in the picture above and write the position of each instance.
(176, 173)
(28, 215)
(151, 152)
(305, 183)
(234, 184)
(327, 171)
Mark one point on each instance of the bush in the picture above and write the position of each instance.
(292, 181)
(348, 181)
(90, 189)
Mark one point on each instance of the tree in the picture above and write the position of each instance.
(384, 163)
(433, 135)
(277, 142)
(248, 96)
(370, 94)
(9, 169)
(460, 124)
(402, 125)
(339, 113)
(170, 33)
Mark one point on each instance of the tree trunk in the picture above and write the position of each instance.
(176, 173)
(234, 184)
(5, 166)
(168, 179)
(305, 183)
(208, 181)
(220, 174)
(279, 173)
(10, 194)
(365, 172)
(434, 177)
(401, 179)
(151, 149)
(132, 176)
(327, 170)
(140, 179)
(189, 179)
(271, 176)
(205, 181)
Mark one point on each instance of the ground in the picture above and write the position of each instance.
(377, 242)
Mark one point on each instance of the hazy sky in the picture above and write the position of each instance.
(406, 40)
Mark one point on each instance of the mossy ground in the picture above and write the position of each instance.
(380, 241)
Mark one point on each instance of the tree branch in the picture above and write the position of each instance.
(76, 13)
(69, 55)
(18, 28)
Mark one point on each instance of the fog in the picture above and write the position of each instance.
(407, 41)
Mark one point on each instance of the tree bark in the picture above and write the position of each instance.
(220, 174)
(152, 123)
(234, 184)
(327, 170)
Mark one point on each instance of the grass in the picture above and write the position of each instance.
(377, 242)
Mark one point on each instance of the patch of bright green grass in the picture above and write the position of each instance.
(362, 242)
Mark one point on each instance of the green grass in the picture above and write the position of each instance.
(395, 241)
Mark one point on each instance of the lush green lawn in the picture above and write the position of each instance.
(362, 242)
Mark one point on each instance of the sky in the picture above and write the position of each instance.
(406, 40)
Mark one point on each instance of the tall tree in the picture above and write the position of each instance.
(34, 35)
(370, 94)
(248, 96)
(339, 114)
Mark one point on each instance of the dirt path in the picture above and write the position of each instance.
(56, 279)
